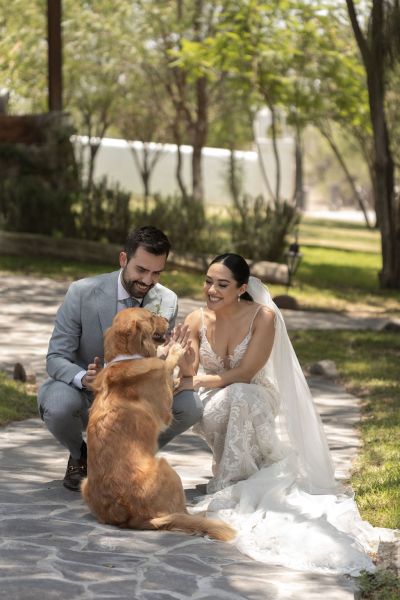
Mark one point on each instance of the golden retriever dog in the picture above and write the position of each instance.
(127, 485)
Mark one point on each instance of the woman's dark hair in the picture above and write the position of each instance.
(238, 267)
(153, 240)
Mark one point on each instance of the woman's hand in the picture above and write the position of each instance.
(186, 362)
(180, 335)
(207, 381)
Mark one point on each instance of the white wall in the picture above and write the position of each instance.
(115, 160)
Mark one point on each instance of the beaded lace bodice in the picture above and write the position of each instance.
(212, 363)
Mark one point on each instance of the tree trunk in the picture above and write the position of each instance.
(299, 171)
(349, 176)
(374, 55)
(234, 178)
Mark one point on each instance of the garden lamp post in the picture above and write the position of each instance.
(293, 260)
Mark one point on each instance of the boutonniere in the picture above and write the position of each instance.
(155, 308)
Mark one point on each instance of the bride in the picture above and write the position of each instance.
(273, 477)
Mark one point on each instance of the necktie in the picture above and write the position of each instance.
(130, 302)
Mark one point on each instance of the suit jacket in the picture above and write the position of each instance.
(87, 311)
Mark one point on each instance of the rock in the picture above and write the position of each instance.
(285, 301)
(392, 326)
(21, 374)
(269, 272)
(324, 367)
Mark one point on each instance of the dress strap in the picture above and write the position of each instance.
(203, 326)
(254, 316)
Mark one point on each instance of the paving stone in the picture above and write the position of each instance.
(189, 565)
(159, 579)
(28, 527)
(38, 589)
(105, 560)
(157, 596)
(125, 589)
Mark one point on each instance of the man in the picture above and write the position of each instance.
(75, 352)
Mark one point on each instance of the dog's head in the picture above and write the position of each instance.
(134, 331)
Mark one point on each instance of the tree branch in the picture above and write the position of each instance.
(358, 34)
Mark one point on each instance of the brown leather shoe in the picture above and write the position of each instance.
(76, 471)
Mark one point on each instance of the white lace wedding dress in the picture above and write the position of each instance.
(255, 484)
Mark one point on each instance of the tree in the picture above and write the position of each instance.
(380, 51)
(144, 118)
(177, 38)
(23, 54)
(96, 49)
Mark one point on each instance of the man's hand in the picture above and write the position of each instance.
(92, 370)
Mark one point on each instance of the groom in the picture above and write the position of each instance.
(75, 353)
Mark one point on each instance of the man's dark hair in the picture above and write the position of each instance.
(153, 240)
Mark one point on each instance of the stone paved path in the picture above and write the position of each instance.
(51, 547)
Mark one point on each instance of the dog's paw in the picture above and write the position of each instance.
(176, 351)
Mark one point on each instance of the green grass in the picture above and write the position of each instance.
(382, 585)
(56, 268)
(341, 280)
(369, 365)
(17, 401)
(335, 234)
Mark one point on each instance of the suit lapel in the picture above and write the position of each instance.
(106, 299)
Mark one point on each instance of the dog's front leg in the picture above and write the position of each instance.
(175, 353)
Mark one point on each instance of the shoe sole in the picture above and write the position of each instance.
(72, 489)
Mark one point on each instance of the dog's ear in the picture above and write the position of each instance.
(118, 338)
(143, 342)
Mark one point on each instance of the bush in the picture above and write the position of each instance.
(39, 182)
(259, 229)
(104, 213)
(31, 204)
(184, 222)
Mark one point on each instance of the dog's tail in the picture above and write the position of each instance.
(195, 524)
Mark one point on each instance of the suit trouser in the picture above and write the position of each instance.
(65, 411)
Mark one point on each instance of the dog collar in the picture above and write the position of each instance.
(120, 357)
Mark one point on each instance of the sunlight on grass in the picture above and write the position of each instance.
(17, 401)
(369, 366)
(336, 234)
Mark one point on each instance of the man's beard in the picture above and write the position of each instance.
(135, 288)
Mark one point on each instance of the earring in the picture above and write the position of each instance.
(239, 297)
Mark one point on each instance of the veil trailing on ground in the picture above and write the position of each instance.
(298, 418)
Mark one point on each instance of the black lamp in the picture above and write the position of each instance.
(293, 259)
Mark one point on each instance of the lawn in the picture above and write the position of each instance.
(369, 367)
(17, 400)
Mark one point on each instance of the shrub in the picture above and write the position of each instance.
(37, 189)
(259, 229)
(184, 221)
(103, 213)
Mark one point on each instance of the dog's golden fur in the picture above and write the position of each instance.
(127, 485)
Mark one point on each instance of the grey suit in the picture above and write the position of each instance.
(87, 311)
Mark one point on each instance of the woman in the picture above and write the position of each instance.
(273, 474)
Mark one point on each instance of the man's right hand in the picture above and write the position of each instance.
(93, 369)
